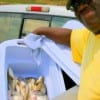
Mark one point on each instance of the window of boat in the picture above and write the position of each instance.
(9, 25)
(33, 21)
(31, 24)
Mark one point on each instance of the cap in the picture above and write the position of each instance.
(68, 4)
(76, 3)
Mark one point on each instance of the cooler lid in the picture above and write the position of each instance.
(59, 53)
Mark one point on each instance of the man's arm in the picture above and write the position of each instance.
(59, 35)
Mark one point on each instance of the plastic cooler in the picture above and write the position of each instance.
(32, 60)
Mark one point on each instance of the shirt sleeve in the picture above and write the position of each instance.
(79, 39)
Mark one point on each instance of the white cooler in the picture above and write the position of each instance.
(38, 57)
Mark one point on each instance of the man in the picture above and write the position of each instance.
(85, 45)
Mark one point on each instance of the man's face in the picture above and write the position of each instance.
(89, 14)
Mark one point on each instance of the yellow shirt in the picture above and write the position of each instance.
(78, 42)
(89, 55)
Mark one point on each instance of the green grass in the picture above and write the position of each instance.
(50, 2)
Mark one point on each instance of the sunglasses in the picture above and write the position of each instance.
(74, 4)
